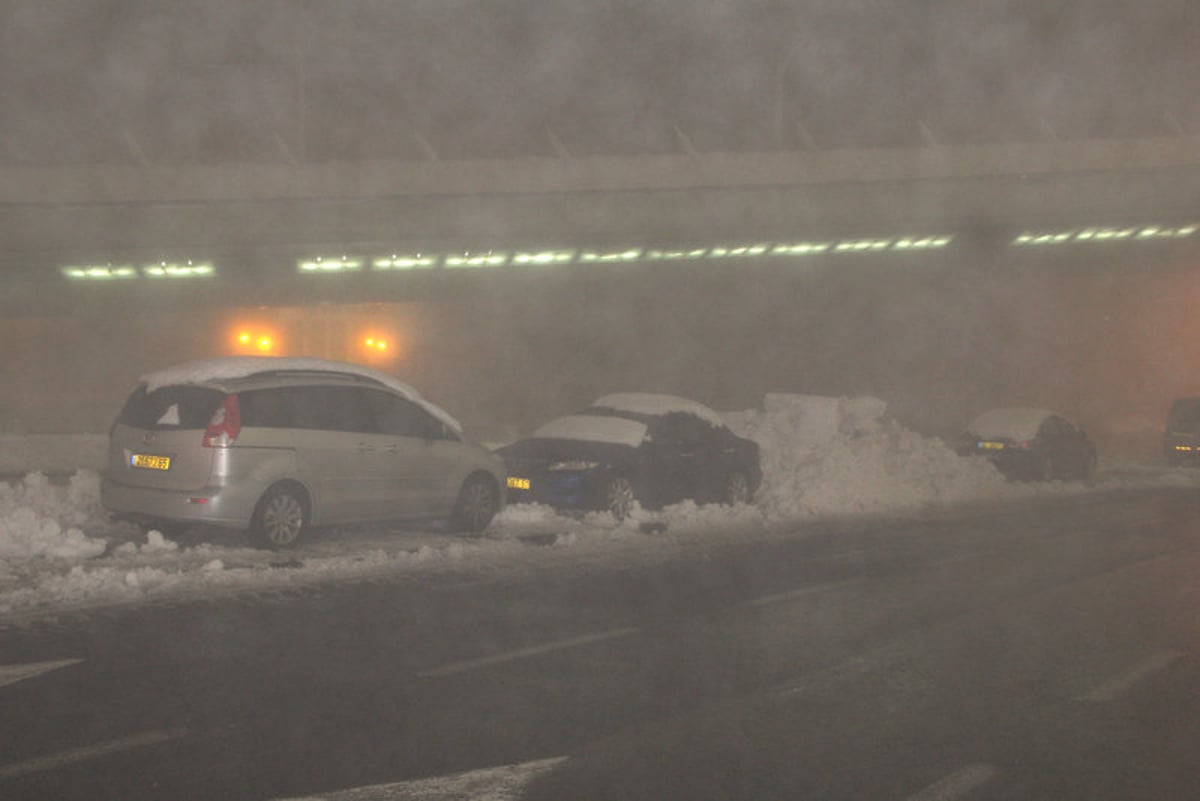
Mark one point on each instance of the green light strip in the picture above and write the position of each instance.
(321, 264)
(418, 261)
(544, 257)
(1135, 233)
(124, 272)
(483, 259)
(554, 257)
(174, 270)
(100, 272)
(610, 257)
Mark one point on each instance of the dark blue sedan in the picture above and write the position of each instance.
(629, 449)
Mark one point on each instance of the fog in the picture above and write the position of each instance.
(221, 81)
(1103, 335)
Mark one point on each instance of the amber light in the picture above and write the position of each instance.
(247, 340)
(379, 347)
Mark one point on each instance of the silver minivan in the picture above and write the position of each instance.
(276, 445)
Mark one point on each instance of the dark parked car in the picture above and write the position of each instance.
(1181, 438)
(1031, 444)
(650, 449)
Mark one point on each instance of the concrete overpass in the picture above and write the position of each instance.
(943, 279)
(255, 225)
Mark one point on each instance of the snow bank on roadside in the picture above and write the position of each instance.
(821, 457)
(41, 521)
(833, 456)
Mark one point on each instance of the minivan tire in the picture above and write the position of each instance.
(478, 501)
(281, 516)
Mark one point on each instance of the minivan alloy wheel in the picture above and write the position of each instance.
(280, 518)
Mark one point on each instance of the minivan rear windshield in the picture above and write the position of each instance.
(170, 408)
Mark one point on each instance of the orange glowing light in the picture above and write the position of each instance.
(376, 347)
(372, 343)
(254, 338)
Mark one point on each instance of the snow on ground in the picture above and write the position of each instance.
(822, 458)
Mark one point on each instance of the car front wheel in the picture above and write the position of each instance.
(619, 497)
(737, 489)
(1044, 470)
(1089, 466)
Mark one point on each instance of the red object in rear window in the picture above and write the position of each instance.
(225, 425)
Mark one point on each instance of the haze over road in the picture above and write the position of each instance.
(1042, 652)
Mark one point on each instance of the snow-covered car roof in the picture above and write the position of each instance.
(232, 367)
(656, 405)
(592, 428)
(1015, 423)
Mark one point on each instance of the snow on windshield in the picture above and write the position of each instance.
(1019, 424)
(655, 405)
(590, 428)
(230, 367)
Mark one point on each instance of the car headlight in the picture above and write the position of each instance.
(575, 466)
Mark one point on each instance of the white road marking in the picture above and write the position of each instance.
(803, 592)
(89, 752)
(11, 674)
(505, 783)
(1112, 688)
(957, 784)
(526, 653)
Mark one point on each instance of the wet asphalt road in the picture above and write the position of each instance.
(1046, 651)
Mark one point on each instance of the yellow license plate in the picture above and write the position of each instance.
(151, 462)
(991, 446)
(518, 483)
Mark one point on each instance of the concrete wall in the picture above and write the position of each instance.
(224, 183)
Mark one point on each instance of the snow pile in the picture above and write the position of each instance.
(38, 520)
(826, 456)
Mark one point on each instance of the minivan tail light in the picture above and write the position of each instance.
(225, 424)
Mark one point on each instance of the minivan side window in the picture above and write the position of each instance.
(266, 408)
(400, 417)
(330, 409)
